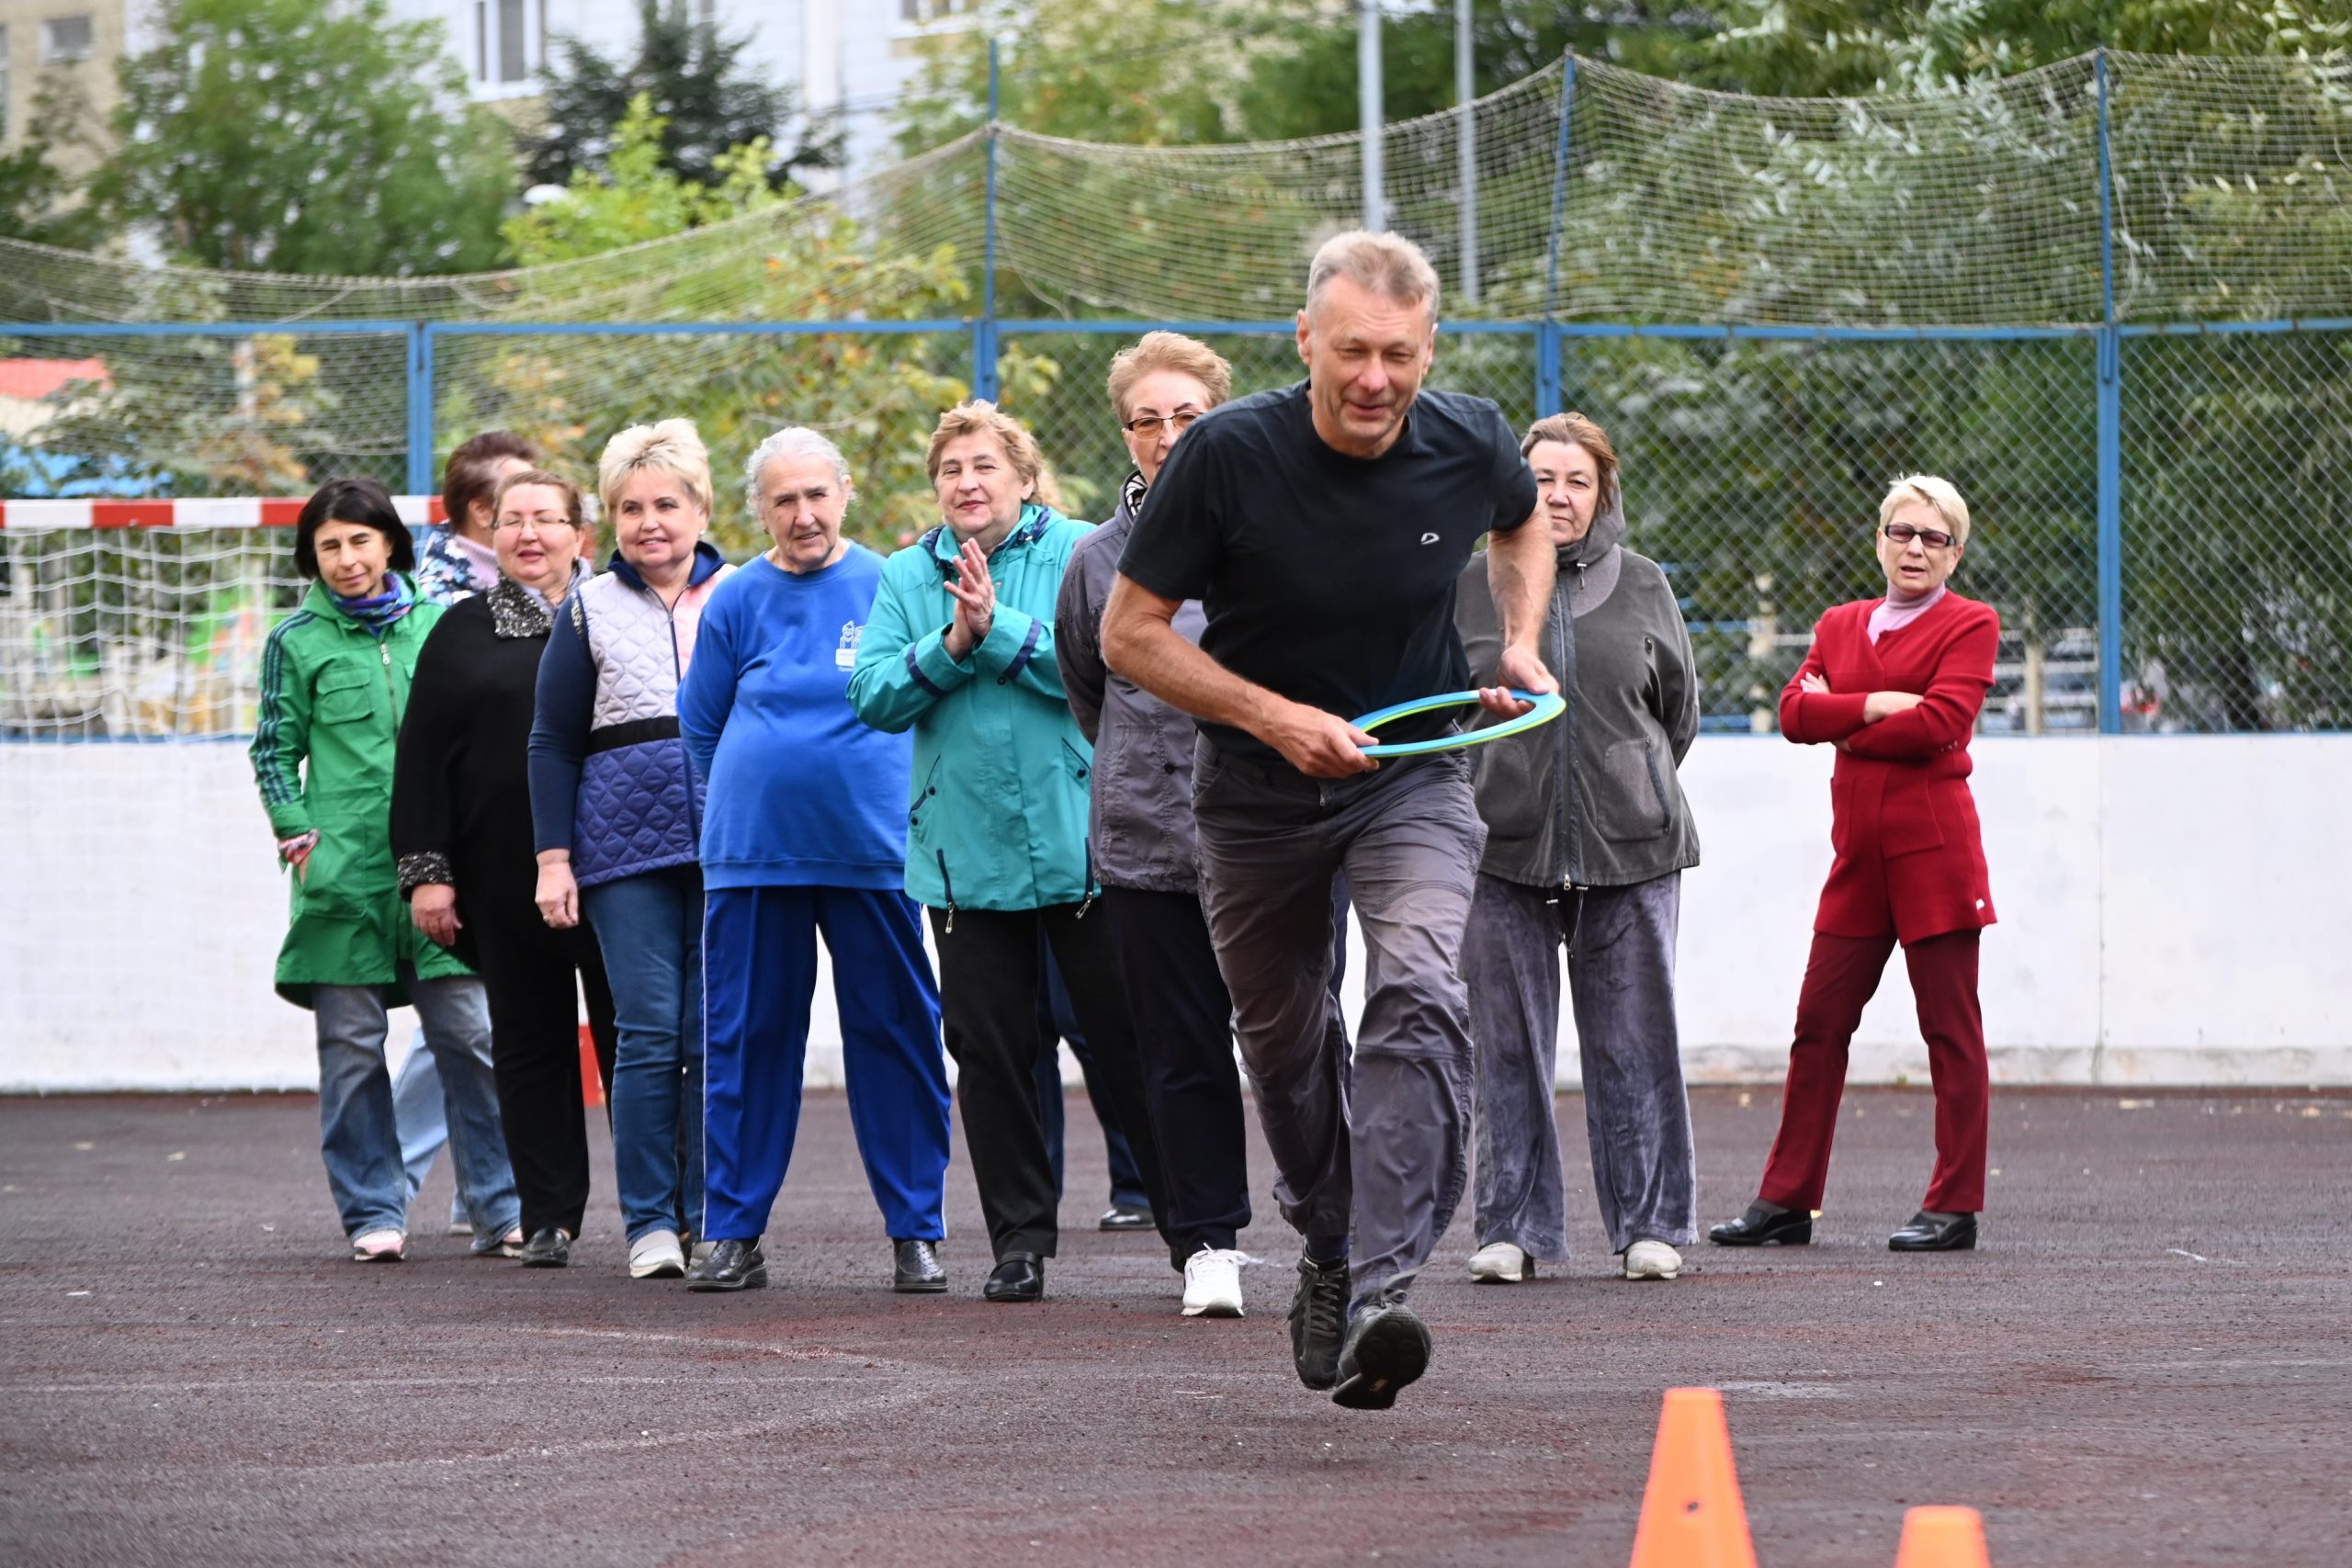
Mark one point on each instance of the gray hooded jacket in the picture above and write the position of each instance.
(1614, 638)
(1141, 825)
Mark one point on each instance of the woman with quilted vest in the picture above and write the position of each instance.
(617, 815)
(334, 682)
(1894, 683)
(960, 649)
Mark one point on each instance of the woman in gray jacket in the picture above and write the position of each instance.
(1588, 835)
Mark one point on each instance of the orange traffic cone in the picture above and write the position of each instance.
(1942, 1538)
(1691, 1515)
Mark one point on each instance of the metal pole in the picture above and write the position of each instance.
(1465, 90)
(1560, 181)
(2110, 439)
(984, 329)
(1368, 113)
(420, 408)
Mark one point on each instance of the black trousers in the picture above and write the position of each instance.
(529, 971)
(988, 996)
(1183, 1023)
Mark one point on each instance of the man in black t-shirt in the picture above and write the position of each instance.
(1322, 526)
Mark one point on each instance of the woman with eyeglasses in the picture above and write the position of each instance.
(1894, 683)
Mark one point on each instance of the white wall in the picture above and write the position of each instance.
(2173, 910)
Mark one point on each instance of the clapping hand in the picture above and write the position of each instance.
(974, 592)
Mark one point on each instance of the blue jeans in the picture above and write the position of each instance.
(649, 930)
(358, 1136)
(424, 1126)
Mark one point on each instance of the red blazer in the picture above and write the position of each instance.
(1910, 856)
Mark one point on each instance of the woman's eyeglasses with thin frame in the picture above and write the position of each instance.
(1149, 423)
(1904, 532)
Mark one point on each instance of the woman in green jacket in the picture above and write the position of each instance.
(959, 649)
(334, 682)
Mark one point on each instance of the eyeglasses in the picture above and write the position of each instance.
(1148, 424)
(1904, 532)
(532, 524)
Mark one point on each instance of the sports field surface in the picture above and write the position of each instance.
(2150, 1361)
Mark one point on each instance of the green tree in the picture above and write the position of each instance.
(39, 200)
(307, 136)
(692, 76)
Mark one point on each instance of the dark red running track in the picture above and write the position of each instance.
(2150, 1362)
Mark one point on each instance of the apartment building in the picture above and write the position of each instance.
(80, 39)
(851, 58)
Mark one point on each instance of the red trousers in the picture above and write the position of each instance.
(1840, 977)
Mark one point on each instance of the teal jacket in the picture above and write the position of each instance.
(996, 808)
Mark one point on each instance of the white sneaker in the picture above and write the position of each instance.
(1652, 1260)
(656, 1256)
(1213, 1283)
(1500, 1263)
(379, 1247)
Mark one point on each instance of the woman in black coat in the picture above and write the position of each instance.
(461, 828)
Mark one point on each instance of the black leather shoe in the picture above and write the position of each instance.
(547, 1248)
(1935, 1232)
(1123, 1218)
(1019, 1276)
(915, 1268)
(1318, 1319)
(1387, 1347)
(730, 1266)
(1790, 1227)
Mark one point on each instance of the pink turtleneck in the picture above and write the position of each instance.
(1895, 612)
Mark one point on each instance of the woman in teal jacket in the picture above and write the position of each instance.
(959, 649)
(335, 680)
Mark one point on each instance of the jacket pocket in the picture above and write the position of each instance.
(925, 807)
(1909, 821)
(1075, 763)
(345, 697)
(1637, 804)
(1508, 781)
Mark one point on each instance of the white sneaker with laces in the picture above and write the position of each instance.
(379, 1247)
(1652, 1260)
(1213, 1283)
(656, 1256)
(1500, 1263)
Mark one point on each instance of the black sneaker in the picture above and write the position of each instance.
(1124, 1217)
(915, 1268)
(730, 1266)
(1318, 1316)
(1387, 1347)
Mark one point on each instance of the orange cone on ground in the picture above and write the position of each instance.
(1691, 1515)
(1942, 1538)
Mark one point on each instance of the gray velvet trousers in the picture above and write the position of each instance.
(1636, 1111)
(1371, 1162)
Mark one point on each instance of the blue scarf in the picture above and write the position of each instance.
(378, 613)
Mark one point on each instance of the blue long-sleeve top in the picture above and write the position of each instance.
(800, 792)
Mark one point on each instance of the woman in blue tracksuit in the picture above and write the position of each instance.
(802, 832)
(960, 649)
(618, 818)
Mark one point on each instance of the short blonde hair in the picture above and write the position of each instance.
(1388, 264)
(1169, 351)
(673, 446)
(1942, 494)
(978, 416)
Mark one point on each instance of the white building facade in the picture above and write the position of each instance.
(848, 58)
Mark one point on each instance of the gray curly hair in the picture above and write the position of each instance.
(793, 440)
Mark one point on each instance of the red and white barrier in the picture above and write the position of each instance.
(209, 512)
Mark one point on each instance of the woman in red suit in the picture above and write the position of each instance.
(1894, 683)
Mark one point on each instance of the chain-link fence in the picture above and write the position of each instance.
(1754, 461)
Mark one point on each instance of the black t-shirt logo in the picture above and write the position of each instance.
(1428, 538)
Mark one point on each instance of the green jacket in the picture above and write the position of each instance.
(332, 697)
(996, 815)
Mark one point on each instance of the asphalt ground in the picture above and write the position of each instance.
(2149, 1360)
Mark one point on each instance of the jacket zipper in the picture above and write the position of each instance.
(1563, 661)
(1088, 902)
(948, 887)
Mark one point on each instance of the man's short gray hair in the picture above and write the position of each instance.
(793, 440)
(1388, 264)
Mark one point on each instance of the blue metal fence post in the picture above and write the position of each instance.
(984, 329)
(1549, 344)
(420, 408)
(2110, 438)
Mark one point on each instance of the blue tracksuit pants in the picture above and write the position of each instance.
(760, 956)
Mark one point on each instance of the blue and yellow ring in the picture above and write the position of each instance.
(1549, 705)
